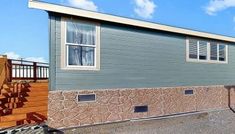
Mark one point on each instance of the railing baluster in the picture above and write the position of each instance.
(16, 67)
(27, 71)
(31, 72)
(43, 72)
(23, 70)
(46, 73)
(20, 71)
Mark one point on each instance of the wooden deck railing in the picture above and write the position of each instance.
(28, 70)
(3, 72)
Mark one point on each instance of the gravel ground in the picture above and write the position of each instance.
(216, 122)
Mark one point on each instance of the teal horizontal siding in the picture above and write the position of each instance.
(54, 41)
(139, 58)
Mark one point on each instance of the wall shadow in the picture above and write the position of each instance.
(230, 88)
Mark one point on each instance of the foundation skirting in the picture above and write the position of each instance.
(112, 105)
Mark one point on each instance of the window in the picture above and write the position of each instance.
(80, 45)
(193, 49)
(222, 52)
(204, 51)
(213, 50)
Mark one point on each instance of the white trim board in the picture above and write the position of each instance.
(121, 20)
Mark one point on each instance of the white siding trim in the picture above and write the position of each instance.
(122, 20)
(227, 51)
(198, 51)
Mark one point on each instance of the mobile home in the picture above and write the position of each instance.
(106, 68)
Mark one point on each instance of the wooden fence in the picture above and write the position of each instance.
(27, 70)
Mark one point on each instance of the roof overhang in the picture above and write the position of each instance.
(121, 20)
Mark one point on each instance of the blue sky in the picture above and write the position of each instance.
(24, 31)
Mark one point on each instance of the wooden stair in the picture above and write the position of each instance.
(21, 119)
(23, 103)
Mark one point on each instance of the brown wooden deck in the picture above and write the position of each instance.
(21, 102)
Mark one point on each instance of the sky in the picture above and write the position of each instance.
(24, 31)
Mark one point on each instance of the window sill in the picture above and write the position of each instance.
(81, 68)
(207, 61)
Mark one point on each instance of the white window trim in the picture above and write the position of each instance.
(64, 49)
(208, 60)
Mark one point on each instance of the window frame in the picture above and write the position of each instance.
(208, 60)
(64, 46)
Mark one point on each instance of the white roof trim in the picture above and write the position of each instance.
(121, 20)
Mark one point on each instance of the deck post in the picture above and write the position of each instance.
(35, 71)
(9, 70)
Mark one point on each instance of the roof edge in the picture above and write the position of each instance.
(121, 20)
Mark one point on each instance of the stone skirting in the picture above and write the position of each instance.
(113, 105)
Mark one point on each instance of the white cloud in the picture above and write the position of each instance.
(234, 19)
(215, 6)
(144, 8)
(35, 59)
(13, 55)
(84, 4)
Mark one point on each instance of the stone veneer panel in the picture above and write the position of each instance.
(175, 101)
(113, 105)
